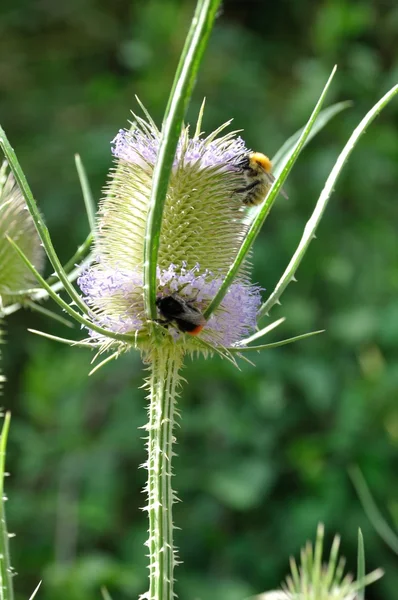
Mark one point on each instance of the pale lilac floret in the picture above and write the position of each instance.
(98, 283)
(112, 294)
(136, 146)
(115, 296)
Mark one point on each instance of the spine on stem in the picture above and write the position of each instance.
(163, 384)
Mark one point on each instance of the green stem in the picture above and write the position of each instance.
(163, 383)
(6, 572)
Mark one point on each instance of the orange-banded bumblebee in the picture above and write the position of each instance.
(182, 313)
(256, 169)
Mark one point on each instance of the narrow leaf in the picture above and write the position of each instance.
(262, 332)
(323, 119)
(38, 220)
(372, 512)
(81, 253)
(105, 594)
(275, 344)
(180, 95)
(47, 313)
(87, 194)
(38, 294)
(262, 214)
(55, 338)
(361, 565)
(312, 224)
(123, 337)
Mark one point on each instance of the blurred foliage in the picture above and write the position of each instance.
(263, 452)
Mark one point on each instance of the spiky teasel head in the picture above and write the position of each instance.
(17, 224)
(316, 579)
(203, 225)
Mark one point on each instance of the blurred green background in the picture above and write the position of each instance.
(262, 452)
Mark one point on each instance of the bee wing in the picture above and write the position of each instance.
(271, 179)
(193, 315)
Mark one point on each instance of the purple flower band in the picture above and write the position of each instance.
(137, 146)
(115, 296)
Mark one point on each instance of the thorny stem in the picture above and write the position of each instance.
(163, 382)
(6, 571)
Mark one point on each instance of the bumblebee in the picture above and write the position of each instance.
(182, 313)
(256, 168)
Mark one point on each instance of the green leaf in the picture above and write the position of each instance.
(372, 512)
(303, 336)
(262, 214)
(322, 120)
(38, 294)
(47, 313)
(122, 337)
(6, 587)
(361, 564)
(262, 332)
(312, 224)
(81, 253)
(55, 338)
(38, 220)
(180, 95)
(87, 194)
(105, 594)
(84, 249)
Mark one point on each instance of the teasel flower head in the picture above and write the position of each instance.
(318, 579)
(203, 225)
(17, 224)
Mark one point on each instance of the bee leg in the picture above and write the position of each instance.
(248, 187)
(163, 322)
(251, 186)
(249, 194)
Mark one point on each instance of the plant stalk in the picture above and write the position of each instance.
(163, 384)
(6, 571)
